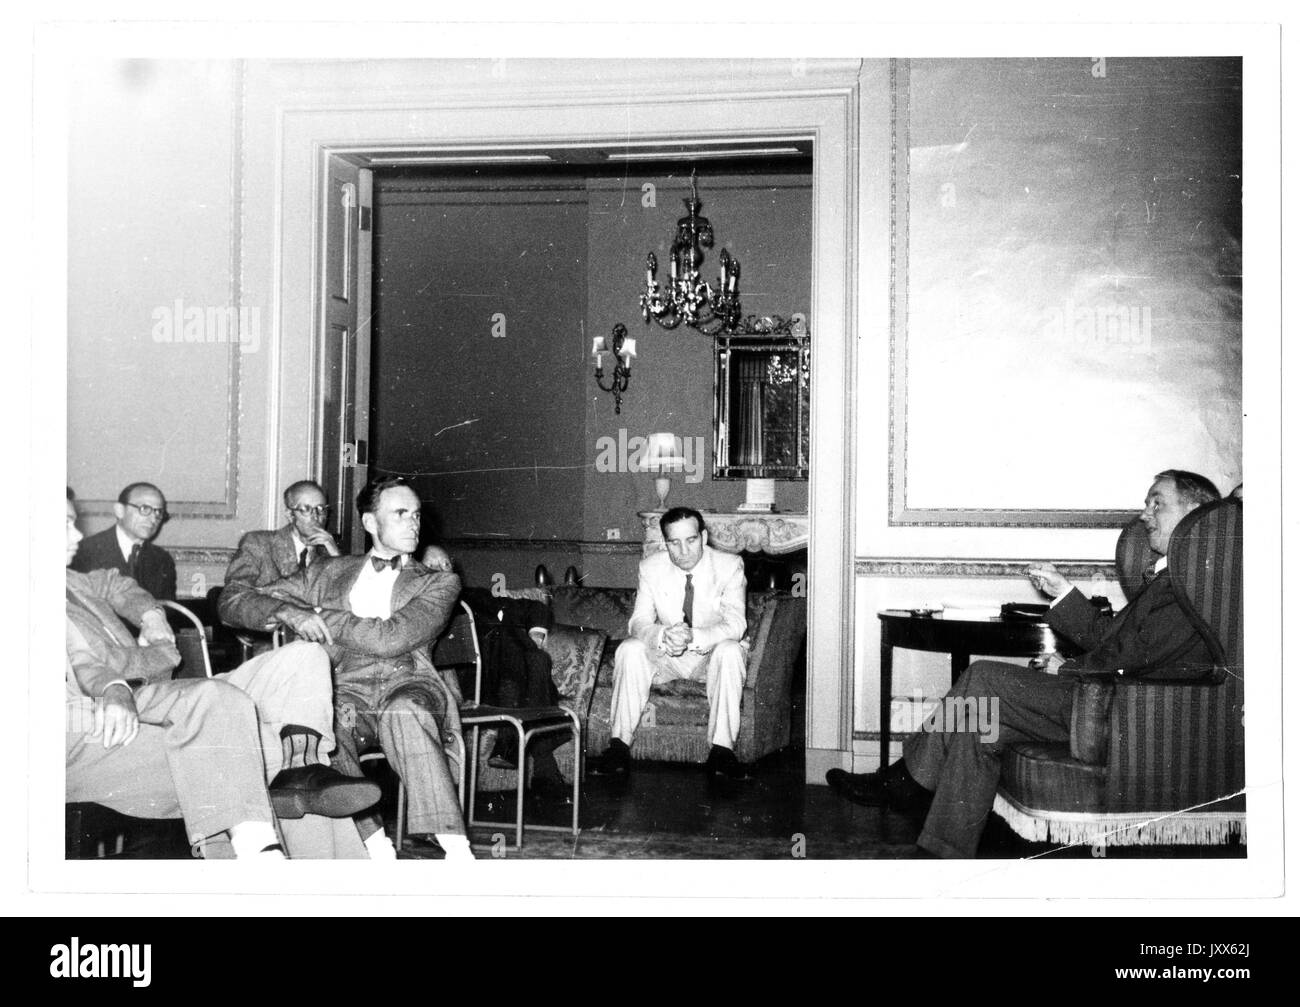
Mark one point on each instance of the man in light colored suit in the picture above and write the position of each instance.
(688, 622)
(377, 616)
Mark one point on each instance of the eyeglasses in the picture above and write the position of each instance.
(147, 511)
(317, 510)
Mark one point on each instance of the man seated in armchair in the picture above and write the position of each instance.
(952, 774)
(688, 622)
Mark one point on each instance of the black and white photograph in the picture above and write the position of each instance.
(810, 466)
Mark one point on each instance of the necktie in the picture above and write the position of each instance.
(133, 562)
(1149, 574)
(381, 564)
(688, 601)
(302, 557)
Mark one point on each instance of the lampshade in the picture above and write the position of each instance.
(663, 450)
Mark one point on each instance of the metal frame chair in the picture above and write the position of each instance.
(528, 723)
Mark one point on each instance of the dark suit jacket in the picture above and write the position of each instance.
(1151, 637)
(156, 573)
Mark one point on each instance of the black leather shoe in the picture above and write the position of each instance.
(867, 789)
(424, 846)
(617, 760)
(320, 790)
(722, 764)
(550, 788)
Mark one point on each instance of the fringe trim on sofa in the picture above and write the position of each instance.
(1187, 828)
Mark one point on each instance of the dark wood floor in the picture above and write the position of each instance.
(672, 811)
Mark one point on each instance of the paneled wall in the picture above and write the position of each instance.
(1065, 282)
(499, 419)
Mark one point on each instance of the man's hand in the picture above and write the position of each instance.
(1047, 579)
(676, 639)
(307, 624)
(1048, 663)
(319, 536)
(116, 717)
(154, 629)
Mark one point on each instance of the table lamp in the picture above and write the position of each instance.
(663, 454)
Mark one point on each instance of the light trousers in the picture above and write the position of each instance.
(638, 667)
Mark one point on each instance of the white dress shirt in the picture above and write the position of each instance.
(372, 595)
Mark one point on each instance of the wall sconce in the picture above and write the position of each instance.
(624, 350)
(663, 454)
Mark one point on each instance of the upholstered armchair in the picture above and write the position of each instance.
(674, 725)
(1151, 761)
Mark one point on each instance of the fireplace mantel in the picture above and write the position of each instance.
(775, 533)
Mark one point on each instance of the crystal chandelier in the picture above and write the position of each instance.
(688, 298)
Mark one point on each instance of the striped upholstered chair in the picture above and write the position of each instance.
(1151, 762)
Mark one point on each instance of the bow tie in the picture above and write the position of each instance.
(381, 564)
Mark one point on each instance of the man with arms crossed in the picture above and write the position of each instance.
(378, 614)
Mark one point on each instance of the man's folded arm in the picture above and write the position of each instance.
(416, 624)
(124, 596)
(1079, 620)
(1163, 638)
(244, 605)
(644, 623)
(97, 663)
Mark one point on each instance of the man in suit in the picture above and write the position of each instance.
(378, 615)
(688, 622)
(263, 557)
(127, 546)
(952, 769)
(152, 747)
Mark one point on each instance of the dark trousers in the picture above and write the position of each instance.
(962, 766)
(517, 673)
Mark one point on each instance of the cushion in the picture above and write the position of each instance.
(1042, 776)
(1090, 721)
(605, 608)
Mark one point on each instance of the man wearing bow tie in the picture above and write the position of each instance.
(688, 623)
(377, 615)
(952, 774)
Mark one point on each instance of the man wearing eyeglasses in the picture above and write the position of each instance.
(264, 557)
(127, 546)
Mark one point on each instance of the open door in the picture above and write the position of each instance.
(343, 345)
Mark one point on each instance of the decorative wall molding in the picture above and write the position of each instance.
(900, 566)
(495, 544)
(225, 508)
(201, 555)
(776, 534)
(900, 514)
